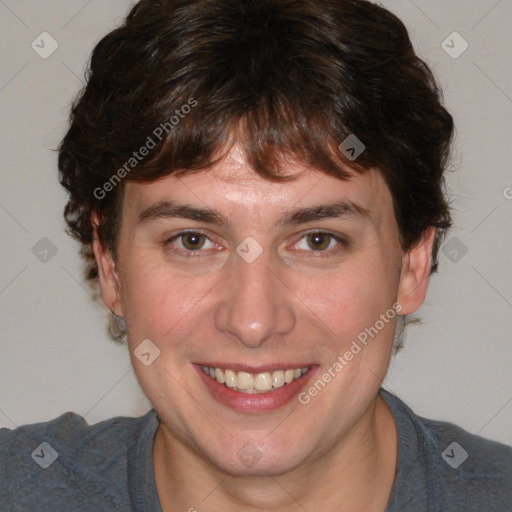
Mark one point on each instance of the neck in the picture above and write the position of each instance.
(357, 472)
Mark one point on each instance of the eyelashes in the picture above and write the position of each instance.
(191, 243)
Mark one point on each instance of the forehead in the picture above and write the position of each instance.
(232, 186)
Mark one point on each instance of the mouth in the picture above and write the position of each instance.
(251, 390)
(251, 383)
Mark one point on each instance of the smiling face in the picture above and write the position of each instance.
(225, 270)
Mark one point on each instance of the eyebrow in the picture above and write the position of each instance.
(169, 209)
(323, 211)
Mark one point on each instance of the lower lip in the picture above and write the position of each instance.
(255, 402)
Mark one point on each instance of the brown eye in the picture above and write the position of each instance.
(192, 241)
(319, 241)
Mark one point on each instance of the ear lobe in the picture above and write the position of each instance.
(415, 273)
(107, 274)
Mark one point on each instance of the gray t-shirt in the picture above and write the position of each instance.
(67, 465)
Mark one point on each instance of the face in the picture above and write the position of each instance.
(226, 271)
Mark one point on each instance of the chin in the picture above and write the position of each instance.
(251, 461)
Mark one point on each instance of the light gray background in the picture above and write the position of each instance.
(55, 354)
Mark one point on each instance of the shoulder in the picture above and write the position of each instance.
(69, 433)
(448, 466)
(478, 471)
(67, 460)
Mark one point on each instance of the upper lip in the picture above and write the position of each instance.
(238, 367)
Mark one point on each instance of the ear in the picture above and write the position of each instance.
(415, 273)
(107, 273)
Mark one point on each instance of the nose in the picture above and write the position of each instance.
(255, 305)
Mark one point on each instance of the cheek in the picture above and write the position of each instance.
(156, 301)
(350, 299)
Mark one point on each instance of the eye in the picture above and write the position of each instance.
(318, 241)
(190, 241)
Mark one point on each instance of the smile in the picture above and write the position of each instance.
(250, 383)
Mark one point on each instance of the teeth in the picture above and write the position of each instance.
(253, 383)
(263, 382)
(278, 378)
(219, 375)
(245, 381)
(230, 378)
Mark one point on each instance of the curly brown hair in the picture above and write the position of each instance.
(279, 77)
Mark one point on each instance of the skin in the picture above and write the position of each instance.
(292, 305)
